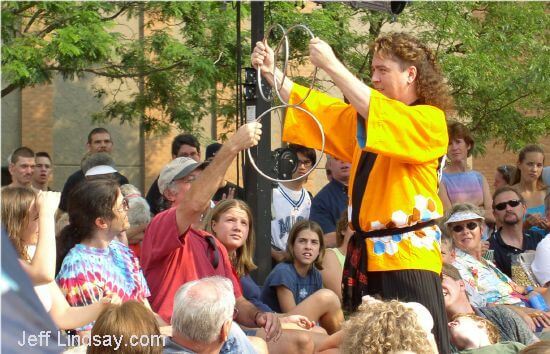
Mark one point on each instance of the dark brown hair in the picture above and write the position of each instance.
(457, 130)
(89, 200)
(293, 235)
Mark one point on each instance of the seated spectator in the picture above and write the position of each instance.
(464, 222)
(139, 216)
(135, 326)
(29, 221)
(175, 252)
(92, 263)
(231, 222)
(511, 327)
(528, 179)
(504, 176)
(385, 327)
(448, 255)
(333, 263)
(202, 319)
(298, 278)
(472, 332)
(42, 171)
(509, 209)
(227, 190)
(332, 200)
(183, 145)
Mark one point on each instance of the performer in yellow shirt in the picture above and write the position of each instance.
(395, 135)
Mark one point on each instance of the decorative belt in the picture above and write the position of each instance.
(395, 230)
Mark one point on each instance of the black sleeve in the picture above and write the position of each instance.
(71, 182)
(154, 197)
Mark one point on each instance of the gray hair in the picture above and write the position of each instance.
(139, 212)
(96, 159)
(201, 307)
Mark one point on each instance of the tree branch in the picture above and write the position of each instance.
(33, 18)
(118, 76)
(8, 89)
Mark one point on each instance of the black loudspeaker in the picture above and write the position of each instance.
(285, 163)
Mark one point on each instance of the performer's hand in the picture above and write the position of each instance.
(263, 57)
(321, 54)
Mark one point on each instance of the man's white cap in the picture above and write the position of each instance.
(176, 169)
(464, 215)
(100, 170)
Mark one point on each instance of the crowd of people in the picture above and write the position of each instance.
(386, 258)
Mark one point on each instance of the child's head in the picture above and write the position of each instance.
(448, 253)
(306, 244)
(469, 331)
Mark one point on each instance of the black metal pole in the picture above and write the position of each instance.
(258, 189)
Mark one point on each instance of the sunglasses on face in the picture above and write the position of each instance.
(471, 226)
(513, 203)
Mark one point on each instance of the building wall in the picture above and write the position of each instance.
(496, 156)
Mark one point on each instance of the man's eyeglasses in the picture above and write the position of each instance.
(513, 203)
(306, 163)
(471, 226)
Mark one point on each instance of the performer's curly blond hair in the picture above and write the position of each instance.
(384, 327)
(431, 87)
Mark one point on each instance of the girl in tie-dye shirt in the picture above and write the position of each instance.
(91, 262)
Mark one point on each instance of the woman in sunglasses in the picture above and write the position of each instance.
(464, 222)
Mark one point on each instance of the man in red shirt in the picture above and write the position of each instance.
(174, 252)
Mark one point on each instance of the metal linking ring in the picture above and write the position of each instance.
(314, 75)
(259, 74)
(322, 144)
(284, 40)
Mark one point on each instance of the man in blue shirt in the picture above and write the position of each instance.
(331, 201)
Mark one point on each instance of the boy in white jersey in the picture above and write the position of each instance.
(291, 202)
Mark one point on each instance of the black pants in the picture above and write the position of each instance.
(420, 286)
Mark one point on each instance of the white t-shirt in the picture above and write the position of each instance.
(541, 263)
(288, 207)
